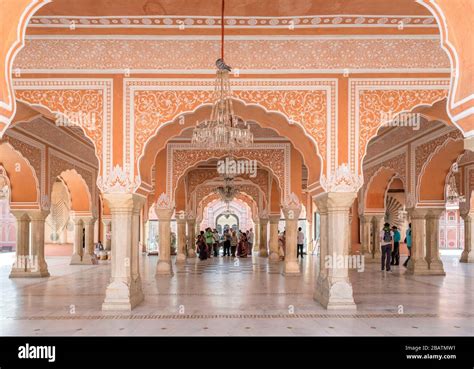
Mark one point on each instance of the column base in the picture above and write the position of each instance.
(274, 257)
(334, 296)
(263, 253)
(180, 259)
(89, 259)
(191, 253)
(21, 273)
(436, 268)
(163, 268)
(417, 267)
(120, 296)
(76, 259)
(467, 257)
(291, 268)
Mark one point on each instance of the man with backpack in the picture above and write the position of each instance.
(386, 239)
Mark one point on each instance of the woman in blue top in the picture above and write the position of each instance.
(408, 242)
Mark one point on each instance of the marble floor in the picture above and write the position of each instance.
(228, 297)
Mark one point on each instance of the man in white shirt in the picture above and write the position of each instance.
(300, 243)
(386, 241)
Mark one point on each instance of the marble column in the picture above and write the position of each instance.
(191, 244)
(78, 232)
(274, 247)
(379, 221)
(435, 264)
(39, 267)
(417, 264)
(256, 236)
(124, 291)
(89, 257)
(323, 247)
(21, 266)
(263, 248)
(107, 230)
(164, 262)
(291, 212)
(467, 255)
(365, 245)
(334, 290)
(181, 239)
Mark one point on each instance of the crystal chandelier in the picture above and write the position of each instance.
(222, 130)
(227, 192)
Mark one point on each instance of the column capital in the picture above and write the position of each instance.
(366, 218)
(263, 221)
(37, 215)
(274, 218)
(107, 221)
(19, 214)
(434, 213)
(418, 213)
(164, 214)
(335, 200)
(119, 202)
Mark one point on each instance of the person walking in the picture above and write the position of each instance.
(209, 236)
(233, 243)
(227, 238)
(408, 242)
(216, 243)
(250, 237)
(300, 243)
(386, 239)
(201, 246)
(396, 246)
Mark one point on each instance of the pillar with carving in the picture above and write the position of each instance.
(181, 237)
(333, 288)
(78, 239)
(21, 265)
(418, 264)
(89, 256)
(191, 239)
(164, 209)
(124, 291)
(274, 247)
(256, 236)
(37, 220)
(108, 232)
(365, 244)
(378, 222)
(435, 264)
(263, 248)
(467, 255)
(291, 209)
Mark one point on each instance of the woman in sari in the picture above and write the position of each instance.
(282, 245)
(201, 246)
(243, 247)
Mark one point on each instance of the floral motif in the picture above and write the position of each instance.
(118, 181)
(375, 104)
(270, 158)
(164, 202)
(342, 180)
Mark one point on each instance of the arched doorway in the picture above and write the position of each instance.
(226, 221)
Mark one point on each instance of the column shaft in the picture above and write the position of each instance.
(89, 255)
(333, 288)
(181, 241)
(39, 267)
(274, 247)
(467, 255)
(164, 262)
(418, 264)
(435, 264)
(21, 266)
(191, 244)
(291, 223)
(124, 291)
(263, 250)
